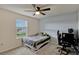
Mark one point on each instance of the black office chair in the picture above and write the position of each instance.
(59, 38)
(67, 40)
(62, 43)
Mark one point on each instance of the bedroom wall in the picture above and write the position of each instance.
(78, 24)
(8, 29)
(59, 22)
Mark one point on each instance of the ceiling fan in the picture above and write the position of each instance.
(38, 10)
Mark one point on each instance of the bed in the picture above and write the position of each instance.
(37, 41)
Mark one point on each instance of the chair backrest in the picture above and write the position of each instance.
(67, 37)
(59, 38)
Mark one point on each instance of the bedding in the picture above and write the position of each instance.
(35, 42)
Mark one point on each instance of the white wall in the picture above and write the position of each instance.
(78, 24)
(8, 29)
(59, 22)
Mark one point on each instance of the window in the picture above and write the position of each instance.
(21, 28)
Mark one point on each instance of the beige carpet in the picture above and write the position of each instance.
(49, 49)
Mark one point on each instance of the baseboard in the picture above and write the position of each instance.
(10, 49)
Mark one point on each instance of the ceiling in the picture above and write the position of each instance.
(55, 9)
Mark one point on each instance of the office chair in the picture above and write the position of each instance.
(67, 40)
(62, 43)
(59, 37)
(67, 37)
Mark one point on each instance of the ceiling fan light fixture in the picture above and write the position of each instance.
(37, 12)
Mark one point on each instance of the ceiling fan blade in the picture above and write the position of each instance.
(42, 13)
(34, 6)
(47, 9)
(38, 8)
(34, 14)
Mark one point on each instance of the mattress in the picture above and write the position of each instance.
(35, 41)
(36, 38)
